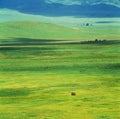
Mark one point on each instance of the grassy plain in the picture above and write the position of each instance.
(37, 76)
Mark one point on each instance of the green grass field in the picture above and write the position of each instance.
(41, 64)
(39, 30)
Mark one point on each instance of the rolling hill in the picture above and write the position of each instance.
(38, 30)
(8, 15)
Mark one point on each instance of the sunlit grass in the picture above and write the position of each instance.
(37, 78)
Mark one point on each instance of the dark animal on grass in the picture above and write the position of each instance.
(73, 94)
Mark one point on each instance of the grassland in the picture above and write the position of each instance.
(39, 30)
(37, 75)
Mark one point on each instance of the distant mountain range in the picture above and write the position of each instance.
(78, 8)
(85, 2)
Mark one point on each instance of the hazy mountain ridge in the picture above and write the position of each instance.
(86, 2)
(44, 7)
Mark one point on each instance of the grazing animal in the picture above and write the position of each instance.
(73, 93)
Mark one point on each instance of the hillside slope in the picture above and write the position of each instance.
(38, 30)
(28, 29)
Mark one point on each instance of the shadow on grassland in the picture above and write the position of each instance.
(30, 41)
(83, 68)
(11, 92)
(27, 41)
(30, 49)
(8, 44)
